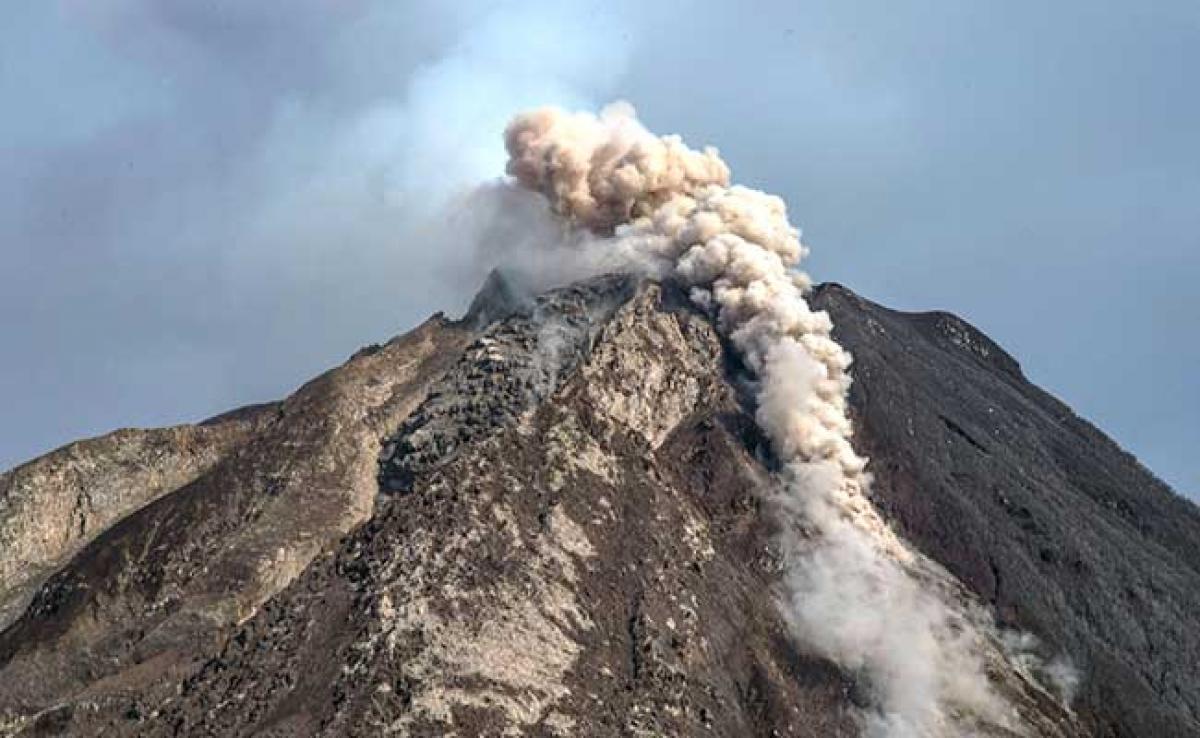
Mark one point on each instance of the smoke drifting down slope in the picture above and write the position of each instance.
(854, 592)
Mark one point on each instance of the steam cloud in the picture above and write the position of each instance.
(853, 591)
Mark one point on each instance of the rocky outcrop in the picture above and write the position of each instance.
(548, 519)
(511, 369)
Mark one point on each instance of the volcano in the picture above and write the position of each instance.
(553, 517)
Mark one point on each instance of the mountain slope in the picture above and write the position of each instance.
(53, 506)
(143, 604)
(1033, 508)
(566, 534)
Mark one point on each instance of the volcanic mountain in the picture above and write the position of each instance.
(553, 517)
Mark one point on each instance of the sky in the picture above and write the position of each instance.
(204, 204)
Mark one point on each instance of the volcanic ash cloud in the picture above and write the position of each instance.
(851, 588)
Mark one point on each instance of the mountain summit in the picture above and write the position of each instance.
(556, 516)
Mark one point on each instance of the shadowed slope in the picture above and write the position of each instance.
(1033, 508)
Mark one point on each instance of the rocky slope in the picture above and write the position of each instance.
(547, 519)
(1064, 534)
(55, 505)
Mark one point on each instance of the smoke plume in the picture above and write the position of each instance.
(852, 590)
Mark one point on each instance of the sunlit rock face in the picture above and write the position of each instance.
(554, 518)
(52, 507)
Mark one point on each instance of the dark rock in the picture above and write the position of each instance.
(1033, 508)
(501, 296)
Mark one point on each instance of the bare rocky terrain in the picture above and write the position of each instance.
(547, 519)
(1063, 533)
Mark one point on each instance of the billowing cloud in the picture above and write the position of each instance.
(853, 591)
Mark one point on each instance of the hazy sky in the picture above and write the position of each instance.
(203, 204)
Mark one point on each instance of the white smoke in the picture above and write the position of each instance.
(851, 588)
(1054, 672)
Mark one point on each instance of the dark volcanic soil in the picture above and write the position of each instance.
(1033, 508)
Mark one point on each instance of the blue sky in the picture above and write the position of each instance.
(204, 204)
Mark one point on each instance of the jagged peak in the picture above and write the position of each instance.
(500, 296)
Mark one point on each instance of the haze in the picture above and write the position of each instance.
(202, 205)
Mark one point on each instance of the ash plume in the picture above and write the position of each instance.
(603, 171)
(852, 590)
